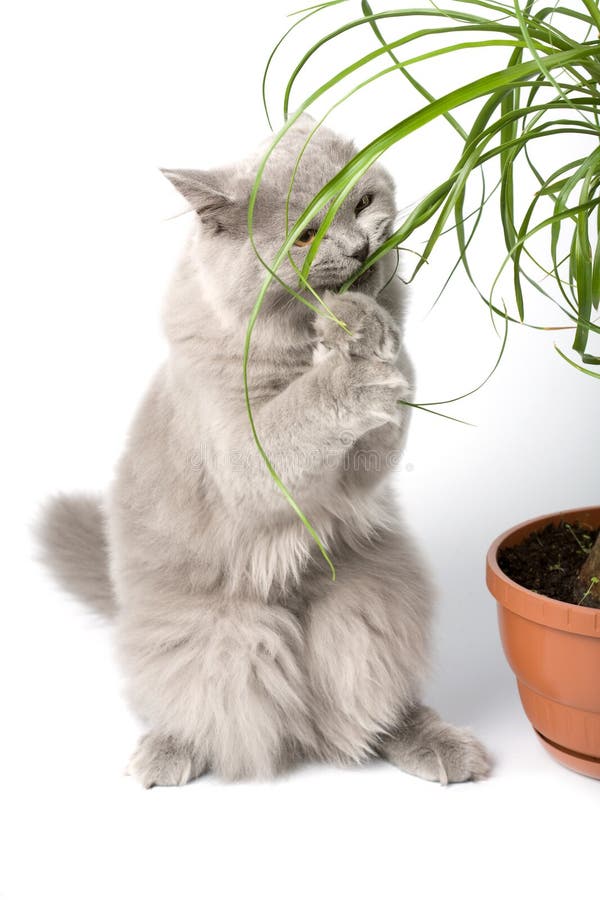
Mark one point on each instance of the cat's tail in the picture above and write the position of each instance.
(71, 534)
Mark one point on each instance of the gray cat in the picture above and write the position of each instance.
(240, 652)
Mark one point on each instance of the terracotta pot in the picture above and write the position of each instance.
(554, 650)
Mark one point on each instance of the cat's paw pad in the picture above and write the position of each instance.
(371, 329)
(161, 760)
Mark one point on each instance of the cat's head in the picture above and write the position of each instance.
(220, 199)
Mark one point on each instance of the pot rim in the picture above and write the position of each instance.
(538, 607)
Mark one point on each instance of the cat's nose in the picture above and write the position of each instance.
(361, 252)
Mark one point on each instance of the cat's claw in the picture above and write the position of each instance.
(430, 748)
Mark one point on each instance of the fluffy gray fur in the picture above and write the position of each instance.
(239, 651)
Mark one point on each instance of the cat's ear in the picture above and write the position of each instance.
(304, 123)
(205, 193)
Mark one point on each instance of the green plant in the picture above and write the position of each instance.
(594, 580)
(548, 90)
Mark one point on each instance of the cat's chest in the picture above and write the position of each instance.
(272, 376)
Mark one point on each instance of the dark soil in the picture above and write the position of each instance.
(549, 560)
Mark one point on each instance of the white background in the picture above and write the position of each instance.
(96, 97)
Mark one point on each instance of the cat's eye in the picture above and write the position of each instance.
(364, 201)
(306, 238)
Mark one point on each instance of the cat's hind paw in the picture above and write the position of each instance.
(162, 760)
(430, 748)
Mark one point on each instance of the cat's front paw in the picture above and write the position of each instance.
(373, 332)
(368, 392)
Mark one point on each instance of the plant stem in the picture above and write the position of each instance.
(587, 584)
